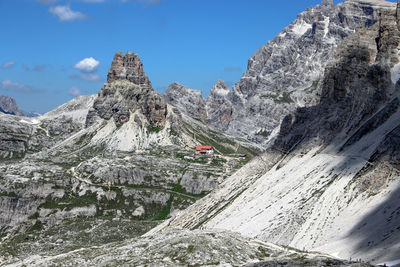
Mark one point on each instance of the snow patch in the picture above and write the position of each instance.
(326, 26)
(282, 34)
(302, 28)
(390, 263)
(31, 121)
(395, 72)
(220, 91)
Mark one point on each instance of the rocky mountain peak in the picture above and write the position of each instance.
(127, 67)
(188, 101)
(176, 87)
(327, 3)
(220, 84)
(285, 73)
(128, 90)
(219, 89)
(8, 105)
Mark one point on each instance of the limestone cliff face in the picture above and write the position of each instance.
(360, 80)
(128, 90)
(215, 108)
(127, 67)
(218, 107)
(187, 100)
(286, 73)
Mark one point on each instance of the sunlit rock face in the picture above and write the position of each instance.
(187, 100)
(127, 67)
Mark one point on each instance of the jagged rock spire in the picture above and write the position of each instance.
(219, 89)
(327, 2)
(127, 67)
(220, 84)
(127, 90)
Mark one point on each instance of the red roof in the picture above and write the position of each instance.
(200, 148)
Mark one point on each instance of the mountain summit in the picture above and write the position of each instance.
(127, 67)
(285, 73)
(8, 105)
(128, 91)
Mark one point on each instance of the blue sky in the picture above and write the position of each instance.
(193, 42)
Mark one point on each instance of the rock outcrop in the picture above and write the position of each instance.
(127, 67)
(187, 100)
(8, 105)
(128, 90)
(215, 108)
(219, 108)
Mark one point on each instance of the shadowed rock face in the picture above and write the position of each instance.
(128, 90)
(355, 86)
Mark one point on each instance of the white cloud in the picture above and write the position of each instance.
(87, 65)
(7, 65)
(144, 2)
(47, 2)
(13, 86)
(64, 13)
(86, 77)
(74, 91)
(39, 68)
(9, 85)
(26, 67)
(232, 68)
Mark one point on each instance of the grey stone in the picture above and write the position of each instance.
(286, 73)
(8, 105)
(127, 90)
(186, 100)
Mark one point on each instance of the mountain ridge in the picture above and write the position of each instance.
(101, 170)
(284, 74)
(327, 182)
(120, 161)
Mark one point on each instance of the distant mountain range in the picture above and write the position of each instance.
(8, 105)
